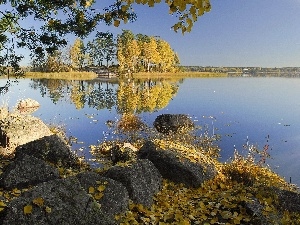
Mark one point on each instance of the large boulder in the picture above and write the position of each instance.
(288, 200)
(141, 179)
(18, 129)
(172, 123)
(51, 149)
(60, 201)
(178, 167)
(110, 194)
(26, 171)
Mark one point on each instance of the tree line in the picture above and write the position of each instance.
(127, 52)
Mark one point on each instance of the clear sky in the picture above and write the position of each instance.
(235, 33)
(242, 33)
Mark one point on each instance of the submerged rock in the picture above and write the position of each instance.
(27, 106)
(173, 123)
(176, 167)
(141, 179)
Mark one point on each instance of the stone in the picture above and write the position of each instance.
(141, 179)
(26, 171)
(115, 199)
(173, 123)
(27, 106)
(288, 200)
(52, 149)
(174, 166)
(60, 201)
(17, 129)
(255, 209)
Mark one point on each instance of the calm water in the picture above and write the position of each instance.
(258, 110)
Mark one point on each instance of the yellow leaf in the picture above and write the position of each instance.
(91, 190)
(27, 209)
(116, 23)
(98, 196)
(101, 188)
(38, 201)
(124, 8)
(2, 204)
(226, 214)
(16, 192)
(48, 209)
(214, 220)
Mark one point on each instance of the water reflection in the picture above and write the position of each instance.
(233, 108)
(128, 96)
(137, 96)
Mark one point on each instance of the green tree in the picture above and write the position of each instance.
(80, 19)
(102, 48)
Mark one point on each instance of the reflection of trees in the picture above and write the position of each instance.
(144, 96)
(54, 88)
(101, 98)
(77, 92)
(133, 96)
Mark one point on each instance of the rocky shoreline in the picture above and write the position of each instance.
(49, 185)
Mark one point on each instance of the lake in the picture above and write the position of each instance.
(259, 111)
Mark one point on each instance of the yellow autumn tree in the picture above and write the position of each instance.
(128, 51)
(77, 54)
(152, 56)
(167, 56)
(133, 52)
(144, 53)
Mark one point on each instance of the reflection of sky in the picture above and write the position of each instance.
(236, 107)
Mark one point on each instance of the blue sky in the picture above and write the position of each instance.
(235, 33)
(262, 33)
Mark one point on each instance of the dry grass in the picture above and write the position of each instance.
(129, 122)
(177, 75)
(62, 75)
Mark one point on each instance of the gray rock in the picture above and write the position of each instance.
(26, 170)
(288, 200)
(51, 149)
(17, 129)
(255, 209)
(115, 197)
(176, 168)
(172, 123)
(61, 201)
(141, 179)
